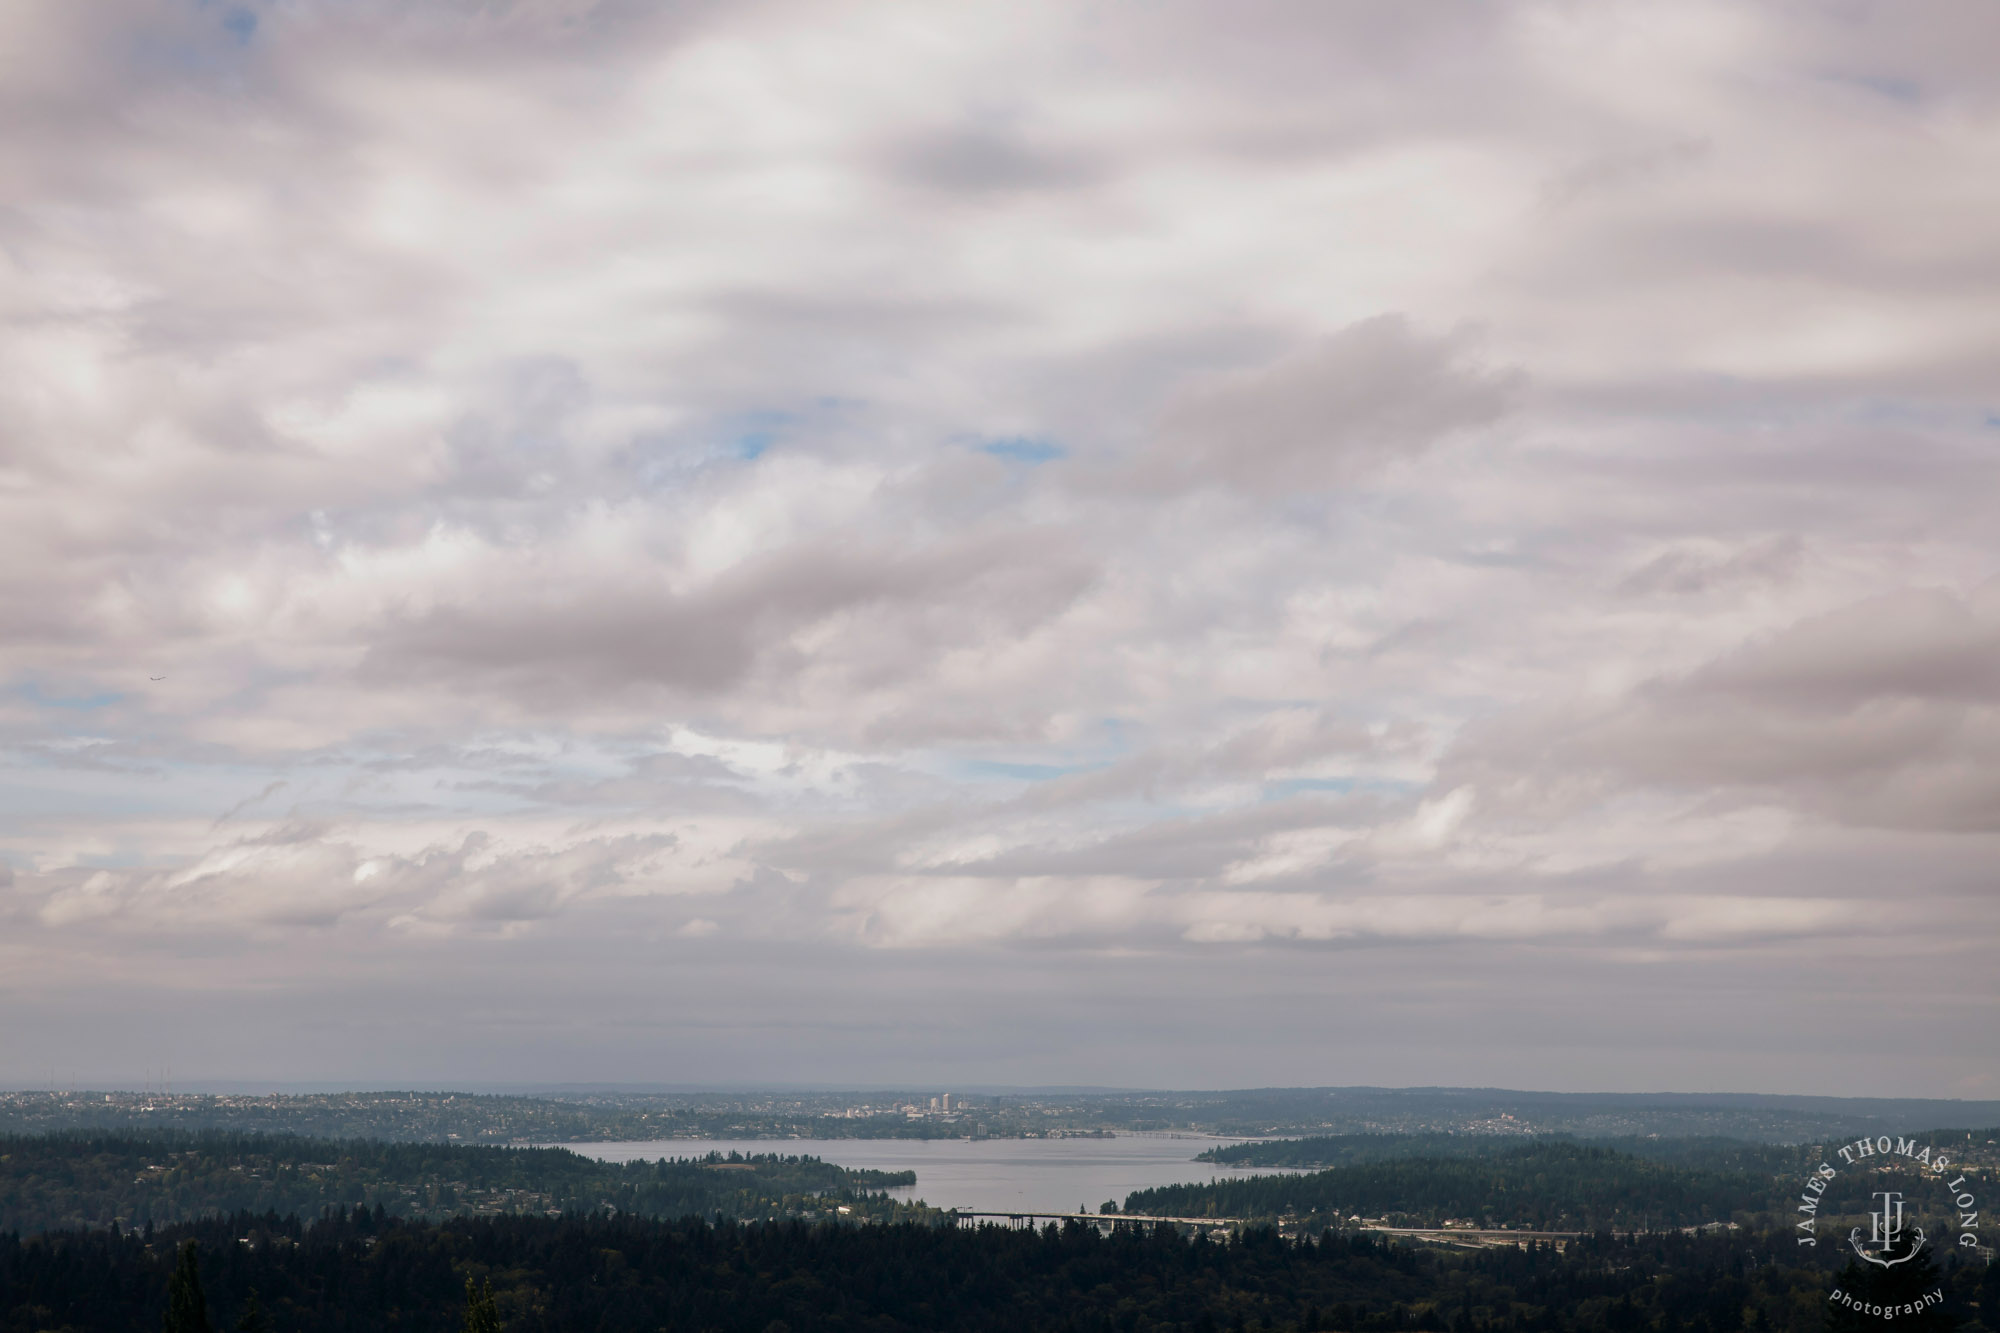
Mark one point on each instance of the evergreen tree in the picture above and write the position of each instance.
(187, 1309)
(1905, 1284)
(482, 1315)
(253, 1319)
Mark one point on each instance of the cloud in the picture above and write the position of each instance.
(567, 637)
(1711, 920)
(985, 160)
(1688, 572)
(1885, 712)
(305, 876)
(1917, 643)
(927, 912)
(1359, 398)
(778, 510)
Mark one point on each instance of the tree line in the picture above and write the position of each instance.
(1707, 1152)
(1541, 1185)
(57, 1181)
(537, 1275)
(1549, 1183)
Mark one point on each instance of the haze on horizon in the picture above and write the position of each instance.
(1137, 544)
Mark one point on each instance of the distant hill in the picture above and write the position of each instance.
(1751, 1116)
(443, 1116)
(56, 1181)
(1558, 1186)
(1549, 1183)
(1705, 1153)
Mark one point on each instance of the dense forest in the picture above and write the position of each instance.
(1543, 1184)
(346, 1235)
(49, 1182)
(1554, 1186)
(362, 1272)
(57, 1181)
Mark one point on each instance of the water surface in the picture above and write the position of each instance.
(983, 1175)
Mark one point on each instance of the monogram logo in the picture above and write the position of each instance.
(1885, 1232)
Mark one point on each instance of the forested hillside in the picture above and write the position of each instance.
(1557, 1186)
(52, 1181)
(357, 1273)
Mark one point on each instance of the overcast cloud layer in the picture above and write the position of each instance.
(1156, 543)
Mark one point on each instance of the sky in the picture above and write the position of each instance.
(1124, 542)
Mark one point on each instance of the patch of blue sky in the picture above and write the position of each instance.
(490, 777)
(751, 433)
(1284, 787)
(192, 50)
(1904, 412)
(31, 800)
(1024, 449)
(33, 693)
(1117, 732)
(663, 459)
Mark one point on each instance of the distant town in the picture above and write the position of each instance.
(584, 1116)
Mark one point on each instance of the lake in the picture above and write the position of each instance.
(984, 1175)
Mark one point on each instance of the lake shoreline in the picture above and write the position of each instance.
(1042, 1175)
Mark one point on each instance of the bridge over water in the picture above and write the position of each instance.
(1469, 1236)
(1113, 1221)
